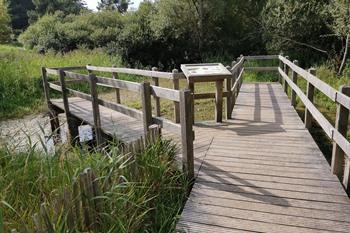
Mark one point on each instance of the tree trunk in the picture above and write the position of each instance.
(343, 63)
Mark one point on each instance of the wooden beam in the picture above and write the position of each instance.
(339, 165)
(228, 96)
(186, 100)
(96, 109)
(261, 69)
(218, 101)
(145, 90)
(295, 80)
(117, 91)
(169, 94)
(310, 95)
(156, 99)
(71, 121)
(121, 84)
(176, 86)
(286, 71)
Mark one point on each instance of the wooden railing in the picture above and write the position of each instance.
(338, 132)
(182, 98)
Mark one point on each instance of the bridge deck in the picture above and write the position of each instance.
(263, 172)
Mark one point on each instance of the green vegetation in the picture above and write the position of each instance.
(5, 29)
(20, 78)
(145, 191)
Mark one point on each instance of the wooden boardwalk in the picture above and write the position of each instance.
(262, 172)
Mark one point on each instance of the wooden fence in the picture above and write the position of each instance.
(183, 100)
(289, 73)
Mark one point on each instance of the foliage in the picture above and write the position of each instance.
(43, 7)
(298, 28)
(65, 33)
(120, 5)
(20, 81)
(145, 195)
(5, 29)
(18, 10)
(340, 11)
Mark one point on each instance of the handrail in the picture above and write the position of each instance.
(329, 91)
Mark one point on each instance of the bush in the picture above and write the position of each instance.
(66, 33)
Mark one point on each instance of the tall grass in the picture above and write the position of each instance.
(146, 190)
(20, 82)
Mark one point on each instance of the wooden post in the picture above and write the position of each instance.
(96, 109)
(339, 168)
(281, 65)
(156, 99)
(117, 90)
(295, 80)
(186, 99)
(176, 86)
(146, 106)
(229, 95)
(71, 121)
(191, 88)
(53, 115)
(218, 101)
(310, 95)
(286, 70)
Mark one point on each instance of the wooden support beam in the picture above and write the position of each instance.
(281, 65)
(191, 88)
(286, 70)
(96, 109)
(176, 86)
(146, 105)
(186, 100)
(228, 96)
(156, 99)
(295, 80)
(310, 95)
(73, 137)
(117, 90)
(218, 101)
(340, 167)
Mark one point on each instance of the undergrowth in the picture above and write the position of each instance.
(146, 191)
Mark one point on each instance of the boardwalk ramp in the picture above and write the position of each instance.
(263, 172)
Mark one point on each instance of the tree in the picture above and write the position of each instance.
(340, 12)
(299, 28)
(5, 29)
(43, 7)
(18, 11)
(120, 5)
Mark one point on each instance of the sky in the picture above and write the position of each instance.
(92, 4)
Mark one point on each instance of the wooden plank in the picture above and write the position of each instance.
(122, 109)
(310, 90)
(156, 98)
(167, 125)
(121, 84)
(117, 91)
(95, 109)
(176, 86)
(261, 57)
(219, 101)
(261, 69)
(228, 96)
(186, 100)
(295, 80)
(339, 166)
(169, 94)
(146, 105)
(79, 94)
(52, 71)
(146, 73)
(77, 76)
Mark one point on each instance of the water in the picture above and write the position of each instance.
(34, 131)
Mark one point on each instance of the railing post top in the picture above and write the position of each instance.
(233, 63)
(175, 71)
(296, 62)
(287, 57)
(154, 68)
(281, 53)
(312, 71)
(345, 89)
